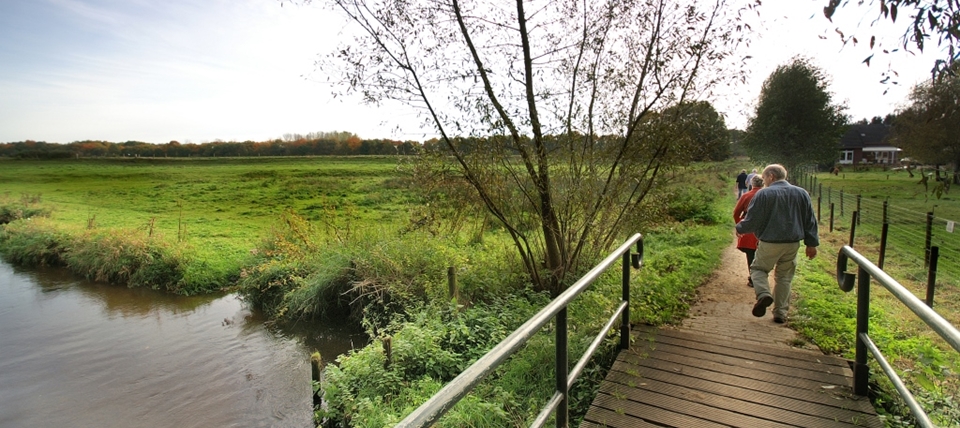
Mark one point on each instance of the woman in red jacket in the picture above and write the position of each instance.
(748, 242)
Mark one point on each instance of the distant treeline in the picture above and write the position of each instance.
(338, 144)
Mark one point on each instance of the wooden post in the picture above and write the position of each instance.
(853, 226)
(858, 208)
(315, 363)
(883, 236)
(831, 216)
(932, 274)
(818, 209)
(929, 237)
(387, 351)
(452, 283)
(841, 202)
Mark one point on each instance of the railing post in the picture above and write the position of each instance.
(861, 371)
(561, 359)
(932, 274)
(929, 237)
(625, 295)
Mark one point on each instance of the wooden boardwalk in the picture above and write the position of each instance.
(723, 372)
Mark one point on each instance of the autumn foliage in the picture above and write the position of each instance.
(313, 144)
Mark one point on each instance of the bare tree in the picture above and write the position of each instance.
(565, 94)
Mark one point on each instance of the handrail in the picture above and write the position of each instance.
(865, 271)
(441, 402)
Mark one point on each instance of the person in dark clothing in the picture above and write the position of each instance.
(741, 183)
(781, 215)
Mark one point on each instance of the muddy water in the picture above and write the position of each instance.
(80, 354)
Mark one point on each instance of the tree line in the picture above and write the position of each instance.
(289, 146)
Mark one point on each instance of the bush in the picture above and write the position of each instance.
(33, 242)
(302, 273)
(430, 349)
(126, 257)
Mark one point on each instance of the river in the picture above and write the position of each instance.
(81, 354)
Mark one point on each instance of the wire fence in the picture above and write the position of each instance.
(910, 235)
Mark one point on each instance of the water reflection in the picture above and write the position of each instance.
(75, 353)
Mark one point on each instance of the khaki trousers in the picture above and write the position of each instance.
(782, 259)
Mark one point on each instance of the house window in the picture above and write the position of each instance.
(846, 157)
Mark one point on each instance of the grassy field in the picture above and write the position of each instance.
(897, 187)
(906, 214)
(219, 208)
(302, 232)
(925, 362)
(305, 232)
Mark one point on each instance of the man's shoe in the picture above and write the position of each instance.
(760, 308)
(779, 320)
(750, 282)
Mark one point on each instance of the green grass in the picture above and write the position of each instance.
(895, 186)
(362, 389)
(216, 210)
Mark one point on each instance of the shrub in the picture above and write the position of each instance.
(430, 349)
(125, 257)
(33, 241)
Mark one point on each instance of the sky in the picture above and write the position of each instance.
(235, 70)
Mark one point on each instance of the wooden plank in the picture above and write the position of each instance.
(794, 399)
(782, 366)
(745, 368)
(651, 413)
(679, 378)
(812, 392)
(740, 400)
(599, 417)
(762, 351)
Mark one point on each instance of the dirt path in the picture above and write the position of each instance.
(724, 303)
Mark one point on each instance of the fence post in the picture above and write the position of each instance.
(387, 351)
(818, 210)
(929, 237)
(452, 283)
(853, 226)
(858, 208)
(861, 371)
(841, 202)
(831, 216)
(883, 236)
(932, 274)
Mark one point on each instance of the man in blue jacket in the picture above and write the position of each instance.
(781, 215)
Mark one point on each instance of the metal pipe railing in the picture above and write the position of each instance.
(865, 271)
(441, 402)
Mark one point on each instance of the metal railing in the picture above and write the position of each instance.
(441, 402)
(865, 271)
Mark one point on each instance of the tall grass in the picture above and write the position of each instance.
(433, 339)
(128, 257)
